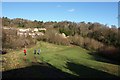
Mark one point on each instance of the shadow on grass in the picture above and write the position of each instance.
(37, 71)
(102, 58)
(86, 72)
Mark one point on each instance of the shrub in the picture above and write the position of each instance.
(12, 41)
(110, 52)
(53, 36)
(76, 40)
(95, 45)
(86, 42)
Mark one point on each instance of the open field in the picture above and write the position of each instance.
(56, 61)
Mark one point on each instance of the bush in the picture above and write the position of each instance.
(53, 36)
(23, 41)
(93, 44)
(110, 52)
(12, 41)
(86, 42)
(76, 40)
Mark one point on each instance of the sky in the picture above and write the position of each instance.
(102, 12)
(60, 0)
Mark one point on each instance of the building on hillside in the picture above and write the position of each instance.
(5, 27)
(23, 30)
(32, 35)
(39, 33)
(35, 29)
(42, 29)
(31, 32)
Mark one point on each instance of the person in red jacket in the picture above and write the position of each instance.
(25, 53)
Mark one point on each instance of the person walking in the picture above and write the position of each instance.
(34, 51)
(38, 51)
(25, 53)
(35, 54)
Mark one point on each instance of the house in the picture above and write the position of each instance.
(23, 30)
(5, 28)
(42, 29)
(32, 34)
(35, 30)
(39, 33)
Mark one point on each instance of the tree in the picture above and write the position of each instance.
(113, 26)
(20, 24)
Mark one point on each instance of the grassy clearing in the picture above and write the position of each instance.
(60, 57)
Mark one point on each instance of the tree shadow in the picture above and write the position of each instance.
(37, 71)
(86, 72)
(102, 58)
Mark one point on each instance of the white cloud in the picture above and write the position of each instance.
(71, 10)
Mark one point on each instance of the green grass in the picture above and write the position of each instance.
(59, 56)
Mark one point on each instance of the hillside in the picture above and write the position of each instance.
(66, 60)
